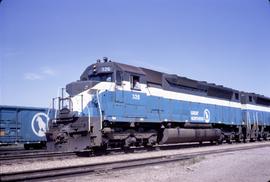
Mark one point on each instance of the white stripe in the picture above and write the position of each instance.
(87, 95)
(151, 91)
(255, 107)
(183, 96)
(192, 98)
(81, 100)
(110, 86)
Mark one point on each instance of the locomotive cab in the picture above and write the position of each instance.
(79, 122)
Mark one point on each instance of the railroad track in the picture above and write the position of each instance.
(43, 155)
(60, 172)
(4, 153)
(32, 156)
(29, 157)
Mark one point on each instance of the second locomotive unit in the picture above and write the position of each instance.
(119, 105)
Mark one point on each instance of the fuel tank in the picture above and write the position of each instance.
(182, 135)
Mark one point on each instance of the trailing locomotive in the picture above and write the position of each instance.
(119, 105)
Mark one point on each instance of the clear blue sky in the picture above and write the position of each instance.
(46, 44)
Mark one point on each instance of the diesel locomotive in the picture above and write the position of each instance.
(119, 105)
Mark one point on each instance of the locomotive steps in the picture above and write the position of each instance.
(78, 166)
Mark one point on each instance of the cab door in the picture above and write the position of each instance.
(135, 99)
(119, 89)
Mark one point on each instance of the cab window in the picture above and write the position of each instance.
(101, 77)
(135, 82)
(118, 77)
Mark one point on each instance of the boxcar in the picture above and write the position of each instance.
(25, 125)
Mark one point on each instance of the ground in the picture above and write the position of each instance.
(247, 166)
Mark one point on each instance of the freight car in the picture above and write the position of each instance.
(119, 105)
(23, 125)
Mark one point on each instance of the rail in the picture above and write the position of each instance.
(51, 173)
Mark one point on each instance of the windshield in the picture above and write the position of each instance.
(101, 77)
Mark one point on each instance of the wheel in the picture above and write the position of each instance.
(265, 136)
(238, 138)
(126, 149)
(99, 150)
(220, 140)
(229, 139)
(26, 146)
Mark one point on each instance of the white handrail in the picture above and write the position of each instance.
(89, 120)
(99, 107)
(58, 95)
(248, 120)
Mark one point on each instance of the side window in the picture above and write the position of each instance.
(250, 98)
(135, 82)
(237, 96)
(118, 77)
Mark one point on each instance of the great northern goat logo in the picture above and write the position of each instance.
(40, 124)
(206, 115)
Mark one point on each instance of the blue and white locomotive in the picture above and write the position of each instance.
(119, 105)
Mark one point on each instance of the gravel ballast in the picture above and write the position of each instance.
(241, 166)
(101, 159)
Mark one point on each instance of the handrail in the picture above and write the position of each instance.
(100, 112)
(89, 118)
